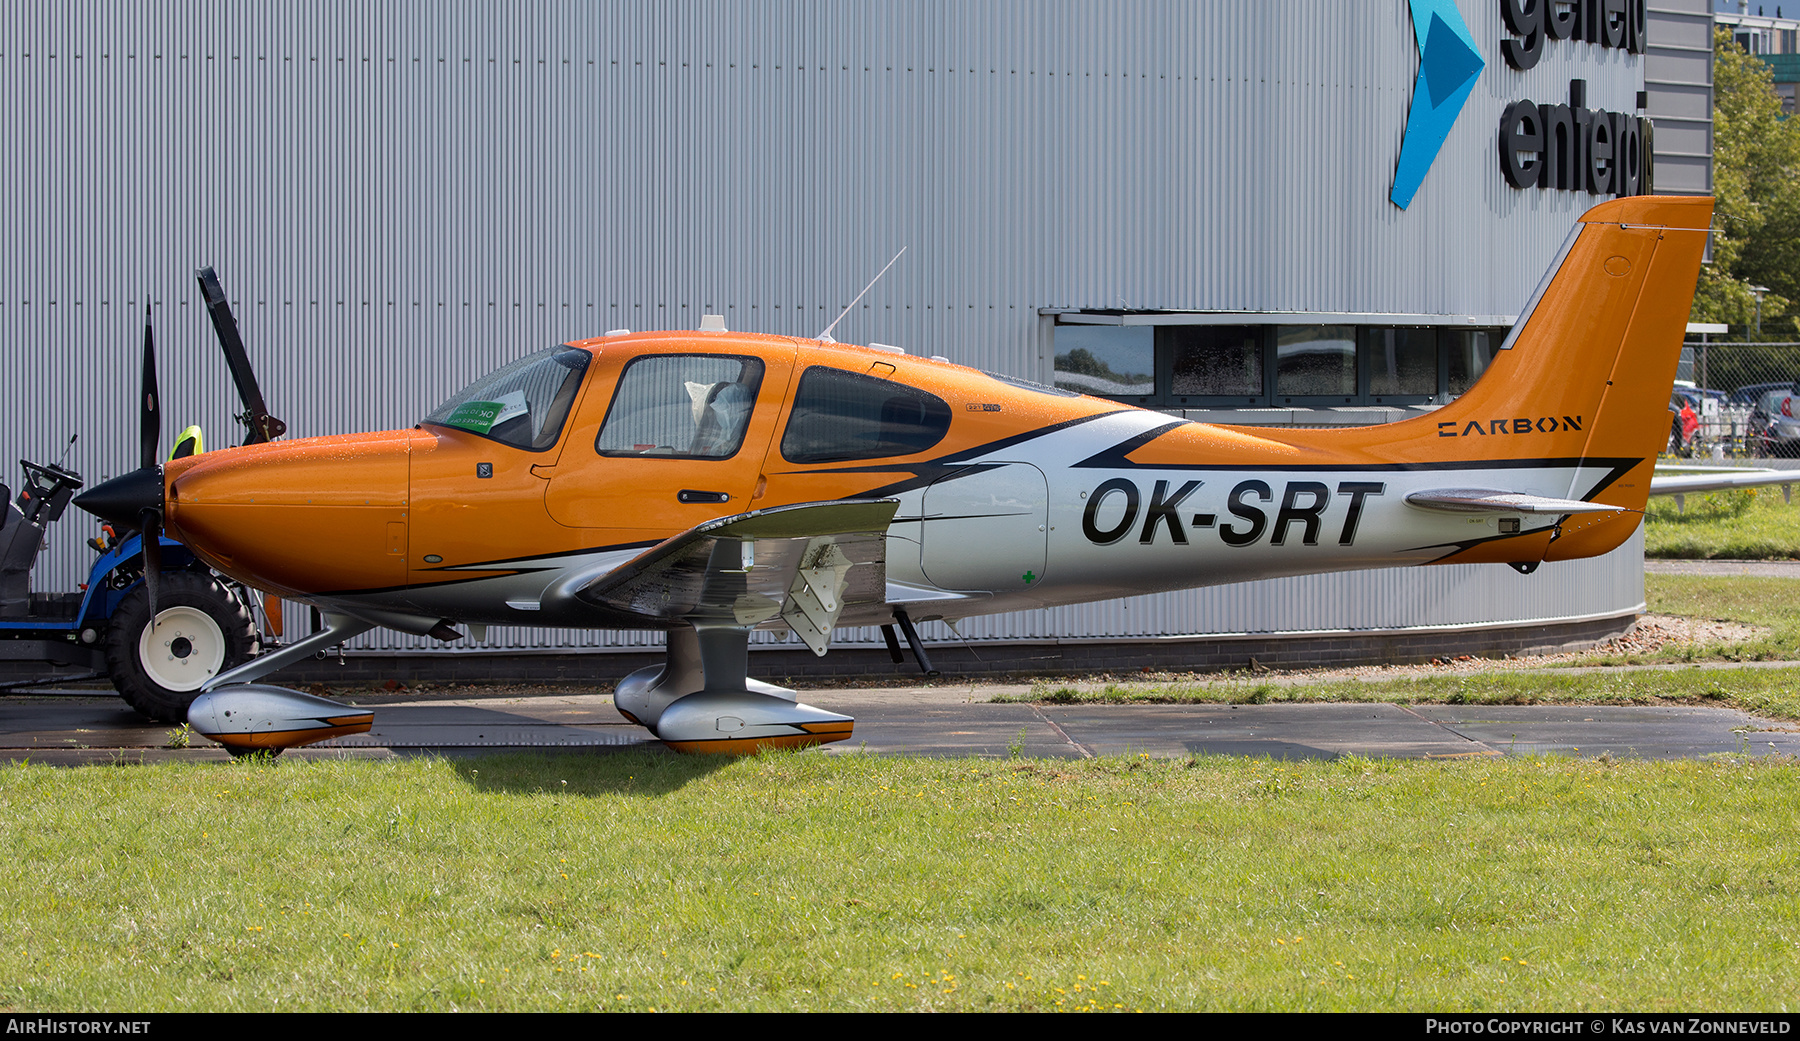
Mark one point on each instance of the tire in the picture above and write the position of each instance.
(202, 630)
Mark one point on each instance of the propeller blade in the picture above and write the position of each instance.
(150, 419)
(262, 426)
(135, 499)
(151, 523)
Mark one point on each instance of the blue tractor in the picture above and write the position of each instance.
(202, 626)
(150, 616)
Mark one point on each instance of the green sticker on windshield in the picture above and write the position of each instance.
(474, 416)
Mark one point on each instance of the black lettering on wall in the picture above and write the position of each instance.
(1524, 19)
(1616, 24)
(1574, 148)
(1521, 144)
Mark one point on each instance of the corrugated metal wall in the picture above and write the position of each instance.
(1678, 77)
(400, 197)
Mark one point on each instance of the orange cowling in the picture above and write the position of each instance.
(320, 515)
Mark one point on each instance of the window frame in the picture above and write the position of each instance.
(558, 352)
(787, 427)
(1365, 335)
(619, 385)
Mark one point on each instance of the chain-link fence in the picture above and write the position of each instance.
(1737, 401)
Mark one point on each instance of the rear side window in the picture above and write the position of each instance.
(842, 415)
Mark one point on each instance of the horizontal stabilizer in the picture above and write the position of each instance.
(1718, 480)
(1489, 500)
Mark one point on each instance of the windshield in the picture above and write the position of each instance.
(524, 404)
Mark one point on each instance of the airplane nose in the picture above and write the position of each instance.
(123, 500)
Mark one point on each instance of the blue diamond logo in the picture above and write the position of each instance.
(1448, 69)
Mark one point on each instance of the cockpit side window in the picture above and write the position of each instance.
(689, 406)
(524, 404)
(840, 415)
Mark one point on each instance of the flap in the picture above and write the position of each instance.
(743, 570)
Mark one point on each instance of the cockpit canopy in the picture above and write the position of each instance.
(524, 404)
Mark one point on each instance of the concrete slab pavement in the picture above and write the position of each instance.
(956, 720)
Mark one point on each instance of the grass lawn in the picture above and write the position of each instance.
(1765, 692)
(800, 881)
(1775, 693)
(1751, 524)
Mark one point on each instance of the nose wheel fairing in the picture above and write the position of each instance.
(254, 717)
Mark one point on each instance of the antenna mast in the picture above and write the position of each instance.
(825, 337)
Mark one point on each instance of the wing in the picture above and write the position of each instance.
(801, 564)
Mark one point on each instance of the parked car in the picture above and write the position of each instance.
(1775, 422)
(1698, 396)
(1751, 393)
(1684, 423)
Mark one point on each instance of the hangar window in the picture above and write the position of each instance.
(840, 415)
(1316, 361)
(1214, 360)
(1468, 353)
(1403, 363)
(1109, 361)
(1206, 365)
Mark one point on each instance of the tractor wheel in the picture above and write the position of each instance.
(201, 630)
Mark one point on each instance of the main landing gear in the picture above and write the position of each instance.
(703, 700)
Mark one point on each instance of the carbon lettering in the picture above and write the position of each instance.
(1515, 425)
(1308, 515)
(1090, 525)
(1239, 508)
(1358, 491)
(1162, 509)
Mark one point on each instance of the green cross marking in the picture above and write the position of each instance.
(1028, 577)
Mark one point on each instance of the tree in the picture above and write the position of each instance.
(1756, 181)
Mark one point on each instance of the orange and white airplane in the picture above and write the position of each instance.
(709, 483)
